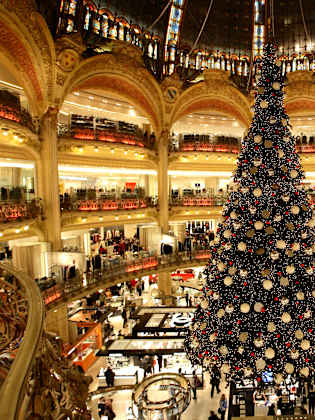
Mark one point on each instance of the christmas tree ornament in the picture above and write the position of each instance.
(259, 296)
(263, 104)
(276, 85)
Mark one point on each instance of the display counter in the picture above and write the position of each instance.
(83, 353)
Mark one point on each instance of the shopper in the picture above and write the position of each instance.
(215, 380)
(222, 406)
(311, 401)
(109, 376)
(271, 410)
(101, 407)
(195, 383)
(213, 416)
(109, 412)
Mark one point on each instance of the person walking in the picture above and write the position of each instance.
(109, 376)
(222, 406)
(215, 380)
(213, 416)
(195, 383)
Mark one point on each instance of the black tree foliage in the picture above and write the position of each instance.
(257, 310)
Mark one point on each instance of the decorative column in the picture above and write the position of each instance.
(163, 179)
(165, 287)
(48, 179)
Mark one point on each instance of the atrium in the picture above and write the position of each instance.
(157, 181)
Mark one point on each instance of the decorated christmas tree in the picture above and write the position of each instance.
(258, 304)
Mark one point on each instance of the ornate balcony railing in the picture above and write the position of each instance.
(116, 270)
(103, 204)
(11, 211)
(10, 109)
(207, 200)
(35, 381)
(104, 130)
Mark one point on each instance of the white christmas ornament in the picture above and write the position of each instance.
(294, 354)
(229, 308)
(259, 342)
(243, 273)
(274, 255)
(212, 337)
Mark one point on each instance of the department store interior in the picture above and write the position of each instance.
(121, 124)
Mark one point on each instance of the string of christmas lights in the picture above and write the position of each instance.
(257, 309)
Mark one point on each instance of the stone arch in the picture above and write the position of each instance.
(124, 76)
(300, 93)
(27, 50)
(215, 92)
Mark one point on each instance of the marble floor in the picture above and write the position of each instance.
(198, 409)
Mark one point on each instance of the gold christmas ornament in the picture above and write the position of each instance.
(241, 246)
(233, 215)
(278, 63)
(280, 244)
(248, 372)
(213, 337)
(265, 272)
(243, 337)
(269, 353)
(293, 174)
(259, 342)
(253, 170)
(277, 218)
(284, 281)
(227, 234)
(309, 270)
(286, 139)
(305, 344)
(279, 378)
(300, 295)
(285, 197)
(270, 230)
(268, 144)
(272, 120)
(280, 153)
(250, 233)
(267, 284)
(258, 307)
(271, 172)
(289, 368)
(260, 364)
(290, 269)
(221, 266)
(229, 308)
(257, 192)
(243, 273)
(257, 162)
(265, 214)
(263, 104)
(260, 251)
(290, 226)
(307, 314)
(204, 303)
(232, 270)
(313, 293)
(271, 327)
(276, 86)
(258, 225)
(252, 210)
(257, 139)
(284, 301)
(294, 354)
(295, 246)
(245, 308)
(237, 225)
(240, 349)
(244, 190)
(220, 313)
(305, 371)
(286, 317)
(223, 350)
(228, 281)
(274, 255)
(299, 334)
